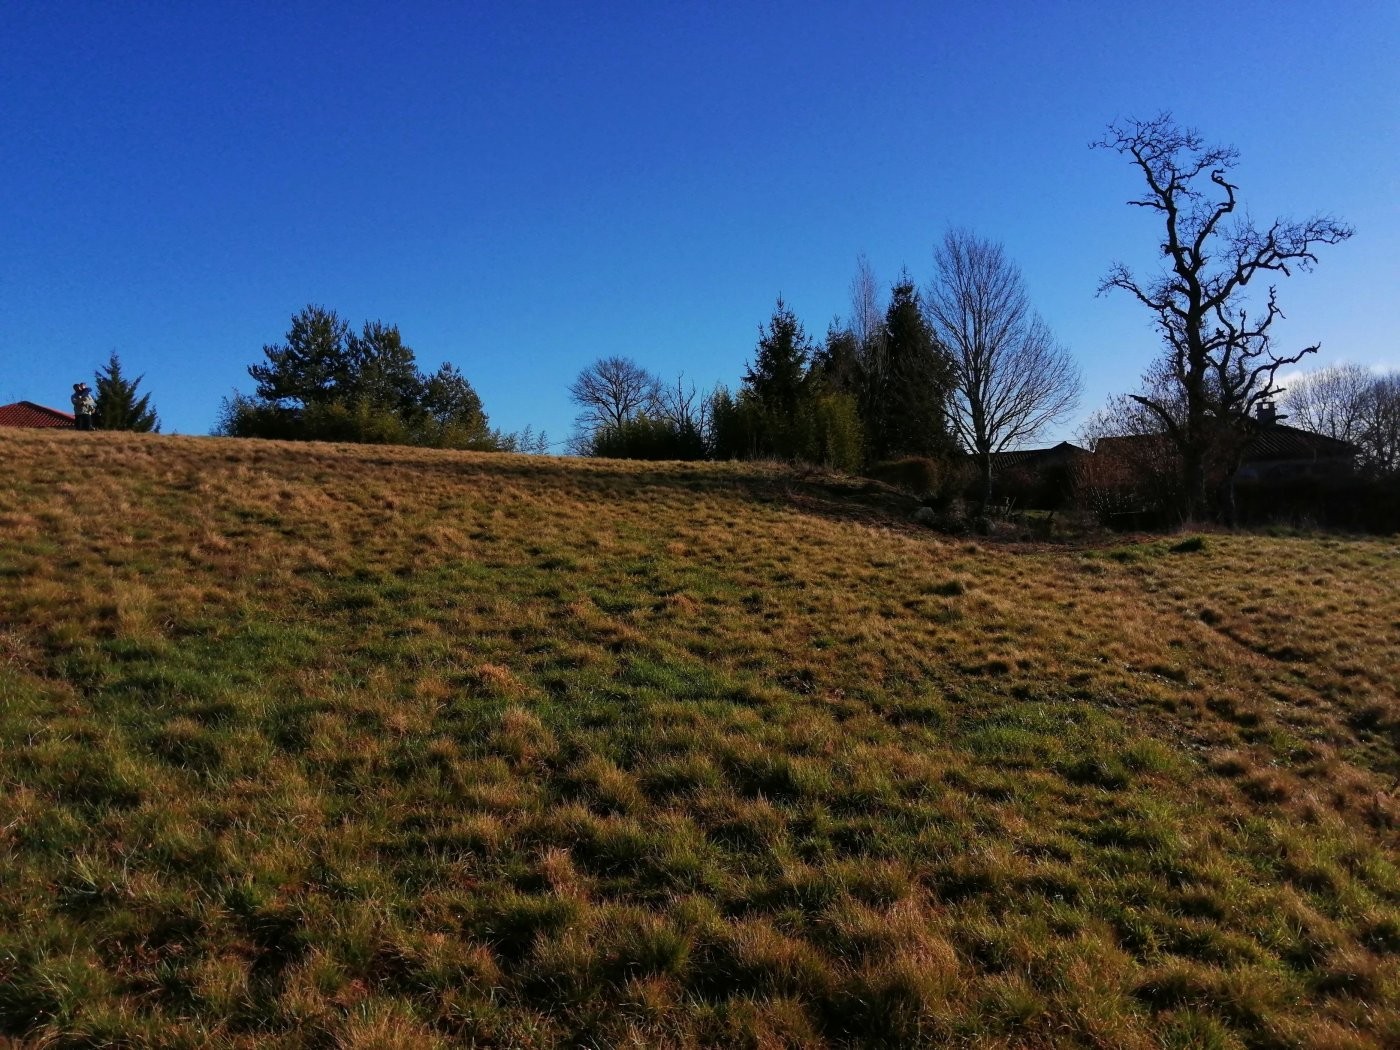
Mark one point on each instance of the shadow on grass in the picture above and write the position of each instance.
(819, 493)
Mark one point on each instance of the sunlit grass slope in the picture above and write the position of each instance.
(324, 746)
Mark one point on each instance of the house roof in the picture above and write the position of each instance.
(1130, 443)
(1269, 442)
(28, 414)
(1035, 456)
(1280, 441)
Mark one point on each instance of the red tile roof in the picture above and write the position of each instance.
(28, 414)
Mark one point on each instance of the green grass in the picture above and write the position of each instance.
(329, 746)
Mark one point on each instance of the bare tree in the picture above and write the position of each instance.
(1380, 432)
(867, 315)
(1011, 379)
(1330, 401)
(867, 327)
(1352, 403)
(1218, 353)
(609, 392)
(683, 406)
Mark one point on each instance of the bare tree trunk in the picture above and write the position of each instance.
(1228, 513)
(986, 487)
(1193, 470)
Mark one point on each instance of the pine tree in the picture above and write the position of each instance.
(383, 370)
(315, 364)
(775, 377)
(907, 414)
(118, 407)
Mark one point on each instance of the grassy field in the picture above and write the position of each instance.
(329, 746)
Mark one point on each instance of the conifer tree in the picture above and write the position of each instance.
(908, 401)
(775, 377)
(118, 406)
(313, 366)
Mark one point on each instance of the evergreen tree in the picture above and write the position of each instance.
(383, 371)
(452, 402)
(314, 365)
(837, 364)
(118, 407)
(906, 413)
(779, 367)
(328, 383)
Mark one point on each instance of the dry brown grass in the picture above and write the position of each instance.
(370, 747)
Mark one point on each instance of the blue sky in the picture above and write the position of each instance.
(523, 188)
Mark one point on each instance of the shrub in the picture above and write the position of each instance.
(824, 430)
(360, 422)
(649, 437)
(939, 482)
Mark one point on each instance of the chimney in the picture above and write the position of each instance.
(1267, 413)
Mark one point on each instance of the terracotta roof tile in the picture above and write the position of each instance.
(28, 414)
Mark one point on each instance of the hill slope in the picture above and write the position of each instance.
(310, 745)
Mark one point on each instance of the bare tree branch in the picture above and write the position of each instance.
(1012, 379)
(1351, 403)
(609, 392)
(1222, 360)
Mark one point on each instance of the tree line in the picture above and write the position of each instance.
(955, 371)
(963, 365)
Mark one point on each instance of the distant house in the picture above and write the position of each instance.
(28, 414)
(1278, 452)
(1065, 454)
(1266, 470)
(1273, 451)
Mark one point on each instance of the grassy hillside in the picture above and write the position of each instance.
(323, 746)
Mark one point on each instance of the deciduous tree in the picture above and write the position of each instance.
(1218, 349)
(1353, 404)
(1010, 378)
(608, 393)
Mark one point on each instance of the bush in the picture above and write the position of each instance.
(829, 432)
(648, 437)
(362, 422)
(938, 482)
(825, 429)
(1046, 488)
(1352, 502)
(917, 474)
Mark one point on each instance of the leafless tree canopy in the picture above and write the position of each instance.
(1012, 378)
(1330, 401)
(1217, 351)
(682, 405)
(1381, 426)
(1353, 404)
(867, 314)
(609, 392)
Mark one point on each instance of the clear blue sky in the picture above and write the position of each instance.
(523, 188)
